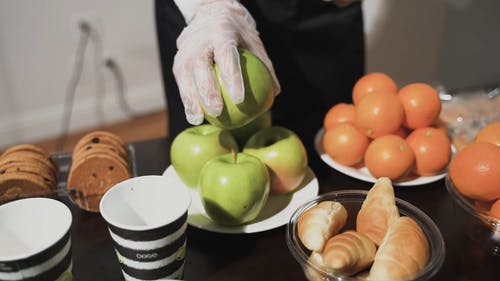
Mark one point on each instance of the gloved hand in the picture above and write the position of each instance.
(214, 34)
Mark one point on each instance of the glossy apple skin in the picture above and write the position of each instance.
(259, 95)
(244, 133)
(194, 146)
(234, 193)
(283, 153)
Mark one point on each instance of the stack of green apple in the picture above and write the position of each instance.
(236, 160)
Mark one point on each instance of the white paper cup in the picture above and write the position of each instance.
(35, 241)
(147, 220)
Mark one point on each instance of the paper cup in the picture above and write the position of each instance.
(35, 241)
(147, 221)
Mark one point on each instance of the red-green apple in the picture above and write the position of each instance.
(283, 153)
(194, 146)
(242, 134)
(259, 95)
(234, 188)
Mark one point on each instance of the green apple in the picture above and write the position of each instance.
(259, 95)
(194, 146)
(283, 153)
(242, 134)
(234, 188)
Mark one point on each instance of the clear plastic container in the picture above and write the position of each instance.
(89, 203)
(465, 112)
(479, 225)
(352, 201)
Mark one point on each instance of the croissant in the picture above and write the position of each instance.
(348, 253)
(363, 276)
(310, 272)
(403, 252)
(378, 211)
(319, 223)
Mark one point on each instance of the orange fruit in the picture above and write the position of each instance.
(389, 156)
(402, 132)
(432, 150)
(441, 125)
(345, 144)
(490, 133)
(373, 82)
(379, 113)
(339, 113)
(475, 171)
(421, 103)
(495, 210)
(482, 206)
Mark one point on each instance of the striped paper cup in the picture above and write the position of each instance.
(35, 242)
(147, 221)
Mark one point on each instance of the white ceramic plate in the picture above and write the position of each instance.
(276, 212)
(362, 172)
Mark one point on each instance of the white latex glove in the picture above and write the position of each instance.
(214, 34)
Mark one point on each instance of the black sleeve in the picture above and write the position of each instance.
(169, 24)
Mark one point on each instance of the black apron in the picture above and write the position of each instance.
(317, 50)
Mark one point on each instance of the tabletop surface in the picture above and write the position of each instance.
(264, 255)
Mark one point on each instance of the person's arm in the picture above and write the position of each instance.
(341, 3)
(215, 31)
(187, 8)
(213, 35)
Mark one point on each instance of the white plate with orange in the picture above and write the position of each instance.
(276, 212)
(361, 172)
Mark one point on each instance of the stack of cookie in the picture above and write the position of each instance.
(26, 170)
(100, 160)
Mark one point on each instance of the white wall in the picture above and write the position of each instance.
(403, 38)
(453, 42)
(470, 50)
(38, 41)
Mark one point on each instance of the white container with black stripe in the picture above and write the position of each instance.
(35, 240)
(147, 221)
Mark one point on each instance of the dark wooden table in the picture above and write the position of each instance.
(265, 256)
